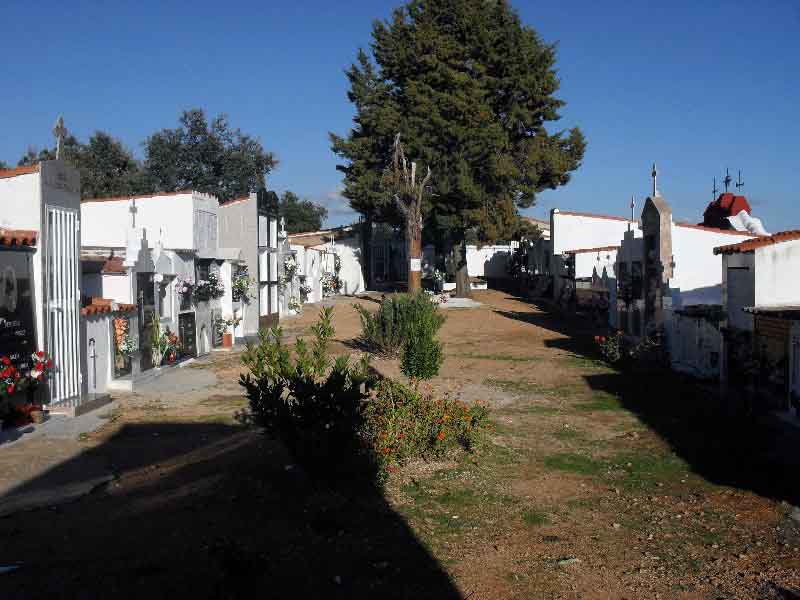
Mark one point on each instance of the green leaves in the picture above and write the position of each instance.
(471, 88)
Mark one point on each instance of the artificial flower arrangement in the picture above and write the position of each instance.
(207, 289)
(184, 285)
(304, 289)
(331, 284)
(125, 344)
(296, 305)
(240, 286)
(12, 382)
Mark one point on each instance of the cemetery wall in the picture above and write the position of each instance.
(574, 231)
(698, 271)
(20, 196)
(238, 228)
(488, 261)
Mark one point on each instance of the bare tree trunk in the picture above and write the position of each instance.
(463, 288)
(414, 240)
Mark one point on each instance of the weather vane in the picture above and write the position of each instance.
(727, 180)
(739, 181)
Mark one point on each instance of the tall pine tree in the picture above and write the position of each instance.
(471, 89)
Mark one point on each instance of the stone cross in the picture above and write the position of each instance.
(133, 210)
(60, 132)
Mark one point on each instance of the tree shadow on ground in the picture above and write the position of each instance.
(702, 428)
(213, 511)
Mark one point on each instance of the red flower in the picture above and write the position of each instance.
(49, 364)
(597, 338)
(441, 436)
(40, 354)
(5, 360)
(10, 389)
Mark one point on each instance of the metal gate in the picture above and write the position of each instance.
(63, 302)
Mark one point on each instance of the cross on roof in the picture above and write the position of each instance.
(60, 132)
(739, 181)
(654, 175)
(727, 180)
(714, 190)
(133, 210)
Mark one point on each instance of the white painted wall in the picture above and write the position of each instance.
(574, 232)
(116, 287)
(349, 252)
(698, 271)
(20, 199)
(777, 269)
(590, 264)
(695, 346)
(488, 261)
(167, 217)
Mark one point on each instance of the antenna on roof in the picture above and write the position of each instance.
(714, 190)
(727, 180)
(739, 181)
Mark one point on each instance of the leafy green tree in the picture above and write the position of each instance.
(301, 215)
(471, 88)
(212, 158)
(3, 165)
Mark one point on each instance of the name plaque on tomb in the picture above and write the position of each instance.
(17, 335)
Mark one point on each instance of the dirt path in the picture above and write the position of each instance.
(592, 484)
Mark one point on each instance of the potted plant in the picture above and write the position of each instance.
(225, 328)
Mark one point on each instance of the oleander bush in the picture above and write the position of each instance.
(306, 398)
(403, 423)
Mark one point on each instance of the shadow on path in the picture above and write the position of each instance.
(211, 511)
(702, 429)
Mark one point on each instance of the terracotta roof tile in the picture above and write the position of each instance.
(234, 201)
(100, 306)
(113, 265)
(6, 173)
(17, 237)
(759, 242)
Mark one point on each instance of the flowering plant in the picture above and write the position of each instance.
(10, 378)
(184, 285)
(240, 286)
(296, 305)
(290, 266)
(331, 284)
(206, 289)
(611, 347)
(438, 298)
(41, 365)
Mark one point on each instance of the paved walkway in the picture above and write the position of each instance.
(46, 464)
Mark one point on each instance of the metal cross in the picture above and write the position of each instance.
(60, 132)
(633, 205)
(739, 181)
(727, 180)
(654, 175)
(714, 190)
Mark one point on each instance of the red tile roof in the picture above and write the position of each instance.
(17, 237)
(6, 173)
(113, 265)
(154, 195)
(99, 306)
(585, 250)
(759, 242)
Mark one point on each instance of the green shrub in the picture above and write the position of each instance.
(384, 331)
(402, 423)
(310, 401)
(408, 324)
(422, 352)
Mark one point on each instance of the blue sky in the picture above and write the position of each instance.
(695, 86)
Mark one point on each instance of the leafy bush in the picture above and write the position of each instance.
(401, 319)
(422, 352)
(310, 401)
(403, 423)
